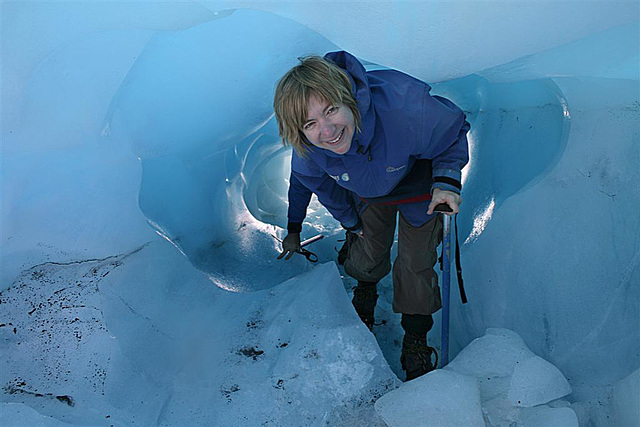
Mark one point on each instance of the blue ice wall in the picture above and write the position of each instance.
(520, 131)
(553, 250)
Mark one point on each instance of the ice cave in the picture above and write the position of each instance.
(144, 190)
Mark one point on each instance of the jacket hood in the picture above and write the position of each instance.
(362, 93)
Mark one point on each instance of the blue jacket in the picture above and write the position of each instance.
(401, 124)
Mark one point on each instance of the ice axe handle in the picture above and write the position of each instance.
(311, 240)
(443, 207)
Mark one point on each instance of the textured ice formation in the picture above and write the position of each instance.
(145, 339)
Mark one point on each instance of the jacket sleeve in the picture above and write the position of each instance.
(444, 142)
(337, 200)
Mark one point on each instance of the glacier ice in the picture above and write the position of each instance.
(99, 141)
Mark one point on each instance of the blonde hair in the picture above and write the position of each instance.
(313, 77)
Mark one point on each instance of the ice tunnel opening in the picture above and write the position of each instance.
(237, 197)
(214, 172)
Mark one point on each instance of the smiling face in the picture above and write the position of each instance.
(330, 127)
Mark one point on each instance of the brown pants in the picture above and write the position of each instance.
(415, 283)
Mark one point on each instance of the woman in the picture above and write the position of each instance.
(370, 145)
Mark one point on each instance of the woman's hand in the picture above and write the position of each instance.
(290, 245)
(448, 197)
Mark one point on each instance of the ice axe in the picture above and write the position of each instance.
(311, 257)
(446, 279)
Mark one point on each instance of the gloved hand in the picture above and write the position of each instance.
(290, 245)
(356, 229)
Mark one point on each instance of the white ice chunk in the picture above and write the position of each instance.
(496, 353)
(545, 416)
(536, 381)
(440, 398)
(625, 401)
(491, 360)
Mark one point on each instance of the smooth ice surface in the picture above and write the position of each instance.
(440, 398)
(444, 40)
(125, 120)
(535, 381)
(625, 409)
(17, 414)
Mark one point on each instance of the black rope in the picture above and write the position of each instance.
(463, 295)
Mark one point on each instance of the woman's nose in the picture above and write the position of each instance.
(326, 129)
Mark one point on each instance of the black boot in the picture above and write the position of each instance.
(416, 356)
(365, 297)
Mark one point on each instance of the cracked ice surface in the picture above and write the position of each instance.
(105, 333)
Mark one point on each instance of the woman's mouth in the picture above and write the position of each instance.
(336, 140)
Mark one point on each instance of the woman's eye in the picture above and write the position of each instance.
(307, 126)
(332, 110)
